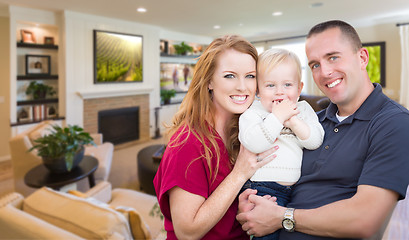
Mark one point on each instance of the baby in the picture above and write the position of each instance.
(277, 118)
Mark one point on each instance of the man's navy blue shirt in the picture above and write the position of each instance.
(370, 147)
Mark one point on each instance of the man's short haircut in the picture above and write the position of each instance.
(347, 31)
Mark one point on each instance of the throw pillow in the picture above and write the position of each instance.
(138, 227)
(77, 215)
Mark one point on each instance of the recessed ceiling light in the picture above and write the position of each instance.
(277, 13)
(317, 4)
(216, 26)
(141, 10)
(241, 24)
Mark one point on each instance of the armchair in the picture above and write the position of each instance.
(23, 161)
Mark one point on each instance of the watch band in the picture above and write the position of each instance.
(288, 220)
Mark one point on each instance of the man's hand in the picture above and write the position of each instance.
(265, 216)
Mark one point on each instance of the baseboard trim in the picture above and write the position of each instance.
(5, 158)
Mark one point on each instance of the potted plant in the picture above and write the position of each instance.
(39, 90)
(63, 149)
(182, 48)
(166, 95)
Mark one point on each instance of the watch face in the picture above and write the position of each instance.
(288, 224)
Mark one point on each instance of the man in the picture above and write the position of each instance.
(350, 185)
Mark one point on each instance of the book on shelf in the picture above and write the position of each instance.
(39, 112)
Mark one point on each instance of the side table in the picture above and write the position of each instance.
(148, 163)
(40, 176)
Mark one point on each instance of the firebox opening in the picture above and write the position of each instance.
(119, 125)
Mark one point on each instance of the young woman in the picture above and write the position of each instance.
(204, 167)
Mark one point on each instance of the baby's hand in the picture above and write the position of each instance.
(284, 110)
(291, 122)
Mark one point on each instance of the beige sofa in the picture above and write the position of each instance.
(50, 214)
(23, 161)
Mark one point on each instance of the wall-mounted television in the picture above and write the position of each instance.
(117, 57)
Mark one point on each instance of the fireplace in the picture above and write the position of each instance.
(119, 125)
(94, 105)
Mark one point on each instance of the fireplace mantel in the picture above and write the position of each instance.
(87, 94)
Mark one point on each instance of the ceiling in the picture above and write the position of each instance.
(250, 18)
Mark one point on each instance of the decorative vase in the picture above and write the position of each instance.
(40, 94)
(59, 166)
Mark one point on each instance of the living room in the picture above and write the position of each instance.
(76, 87)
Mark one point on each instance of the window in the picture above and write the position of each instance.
(299, 50)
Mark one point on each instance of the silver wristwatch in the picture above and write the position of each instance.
(288, 221)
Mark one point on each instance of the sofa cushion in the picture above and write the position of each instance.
(77, 215)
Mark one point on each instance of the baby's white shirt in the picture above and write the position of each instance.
(258, 130)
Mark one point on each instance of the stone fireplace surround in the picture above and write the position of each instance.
(93, 105)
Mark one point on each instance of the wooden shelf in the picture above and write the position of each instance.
(39, 101)
(179, 56)
(35, 45)
(37, 77)
(31, 122)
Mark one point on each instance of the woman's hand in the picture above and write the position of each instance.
(264, 218)
(247, 162)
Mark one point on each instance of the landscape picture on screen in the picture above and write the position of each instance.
(176, 76)
(117, 57)
(376, 62)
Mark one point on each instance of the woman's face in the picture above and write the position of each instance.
(233, 83)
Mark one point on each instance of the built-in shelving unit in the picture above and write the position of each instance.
(174, 65)
(37, 60)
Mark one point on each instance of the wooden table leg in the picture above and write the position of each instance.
(91, 180)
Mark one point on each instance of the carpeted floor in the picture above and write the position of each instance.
(124, 166)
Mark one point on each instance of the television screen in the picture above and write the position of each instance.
(117, 57)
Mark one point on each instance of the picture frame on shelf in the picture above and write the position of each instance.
(24, 114)
(164, 47)
(118, 57)
(38, 65)
(27, 36)
(51, 111)
(48, 40)
(376, 63)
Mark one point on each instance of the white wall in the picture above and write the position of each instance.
(78, 31)
(79, 65)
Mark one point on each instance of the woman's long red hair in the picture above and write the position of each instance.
(196, 114)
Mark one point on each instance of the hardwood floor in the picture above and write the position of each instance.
(6, 178)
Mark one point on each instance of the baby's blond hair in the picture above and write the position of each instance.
(271, 58)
